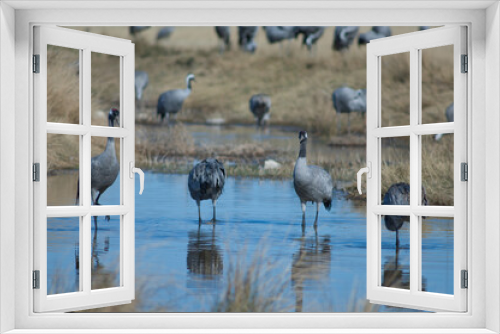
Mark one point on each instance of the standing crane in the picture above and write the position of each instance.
(224, 34)
(171, 101)
(346, 100)
(246, 38)
(104, 168)
(206, 181)
(141, 82)
(344, 37)
(374, 33)
(164, 33)
(399, 194)
(260, 104)
(311, 183)
(311, 34)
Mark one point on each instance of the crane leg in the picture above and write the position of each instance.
(95, 217)
(397, 239)
(199, 212)
(97, 203)
(214, 204)
(317, 214)
(94, 203)
(77, 200)
(303, 206)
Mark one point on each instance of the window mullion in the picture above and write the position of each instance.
(415, 267)
(85, 180)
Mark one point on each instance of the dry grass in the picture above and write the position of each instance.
(63, 88)
(437, 169)
(254, 286)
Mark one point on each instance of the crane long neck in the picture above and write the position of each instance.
(303, 146)
(110, 145)
(111, 121)
(189, 85)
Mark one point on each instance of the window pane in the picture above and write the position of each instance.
(63, 237)
(395, 89)
(437, 84)
(105, 170)
(437, 170)
(63, 155)
(395, 257)
(106, 254)
(395, 171)
(63, 85)
(437, 254)
(105, 88)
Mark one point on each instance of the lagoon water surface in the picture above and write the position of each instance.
(184, 267)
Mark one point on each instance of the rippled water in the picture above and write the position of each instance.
(181, 267)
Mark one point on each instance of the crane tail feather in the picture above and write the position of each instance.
(328, 204)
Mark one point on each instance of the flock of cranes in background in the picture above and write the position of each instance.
(343, 37)
(206, 180)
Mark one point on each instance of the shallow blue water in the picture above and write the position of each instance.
(183, 268)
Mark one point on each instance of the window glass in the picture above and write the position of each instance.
(63, 85)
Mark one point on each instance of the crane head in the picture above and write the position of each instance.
(114, 115)
(302, 136)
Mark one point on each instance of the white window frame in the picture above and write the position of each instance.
(86, 43)
(484, 103)
(413, 44)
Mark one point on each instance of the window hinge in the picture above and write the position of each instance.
(36, 63)
(465, 279)
(465, 64)
(36, 172)
(36, 279)
(464, 168)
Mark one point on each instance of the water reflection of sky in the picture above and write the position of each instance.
(323, 270)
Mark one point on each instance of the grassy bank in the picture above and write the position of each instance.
(299, 83)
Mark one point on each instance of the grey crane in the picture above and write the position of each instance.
(311, 34)
(383, 30)
(171, 101)
(136, 29)
(206, 181)
(260, 104)
(278, 34)
(104, 168)
(374, 33)
(346, 100)
(246, 38)
(450, 117)
(344, 37)
(311, 183)
(141, 82)
(399, 194)
(224, 34)
(164, 33)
